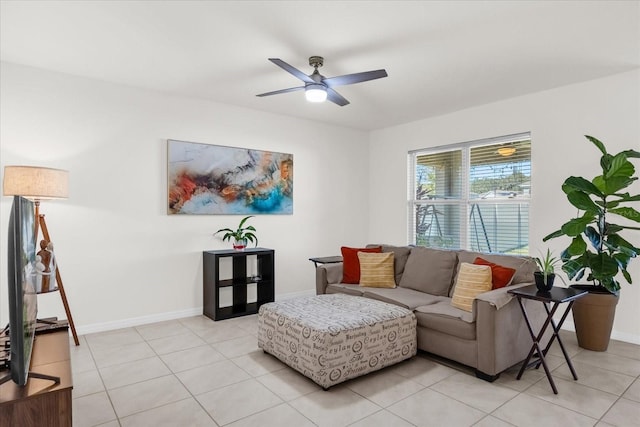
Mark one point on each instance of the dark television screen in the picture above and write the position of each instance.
(23, 305)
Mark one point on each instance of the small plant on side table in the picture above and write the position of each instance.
(241, 235)
(545, 277)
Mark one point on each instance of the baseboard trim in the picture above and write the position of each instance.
(618, 336)
(160, 317)
(172, 315)
(137, 321)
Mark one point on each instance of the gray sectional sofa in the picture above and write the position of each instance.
(491, 338)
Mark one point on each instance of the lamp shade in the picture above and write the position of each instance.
(35, 183)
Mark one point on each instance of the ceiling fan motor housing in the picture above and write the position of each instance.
(316, 61)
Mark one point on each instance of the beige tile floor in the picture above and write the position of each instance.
(196, 372)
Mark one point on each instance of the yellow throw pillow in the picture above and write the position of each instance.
(472, 280)
(376, 270)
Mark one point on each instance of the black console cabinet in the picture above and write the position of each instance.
(242, 274)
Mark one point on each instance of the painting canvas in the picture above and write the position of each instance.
(214, 179)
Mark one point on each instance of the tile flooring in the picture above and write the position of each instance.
(196, 372)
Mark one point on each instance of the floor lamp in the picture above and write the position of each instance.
(38, 183)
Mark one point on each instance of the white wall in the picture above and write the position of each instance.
(123, 260)
(607, 108)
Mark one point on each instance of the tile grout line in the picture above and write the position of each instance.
(104, 386)
(185, 386)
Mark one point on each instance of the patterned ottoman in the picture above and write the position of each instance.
(335, 337)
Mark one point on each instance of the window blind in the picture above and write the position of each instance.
(473, 195)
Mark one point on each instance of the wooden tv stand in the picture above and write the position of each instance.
(41, 403)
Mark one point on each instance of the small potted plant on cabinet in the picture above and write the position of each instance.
(597, 249)
(241, 235)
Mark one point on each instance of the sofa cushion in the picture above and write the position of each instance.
(429, 270)
(376, 270)
(351, 264)
(400, 255)
(344, 288)
(472, 280)
(445, 318)
(524, 265)
(500, 276)
(403, 297)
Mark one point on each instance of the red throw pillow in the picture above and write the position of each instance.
(351, 263)
(500, 276)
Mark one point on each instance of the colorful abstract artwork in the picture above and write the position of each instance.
(219, 180)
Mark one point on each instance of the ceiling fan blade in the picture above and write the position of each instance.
(336, 98)
(350, 79)
(276, 92)
(288, 68)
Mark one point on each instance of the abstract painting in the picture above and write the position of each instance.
(220, 180)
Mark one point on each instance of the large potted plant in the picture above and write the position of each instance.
(241, 235)
(597, 249)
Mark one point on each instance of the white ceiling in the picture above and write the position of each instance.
(441, 56)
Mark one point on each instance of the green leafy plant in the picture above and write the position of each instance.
(241, 233)
(596, 246)
(547, 264)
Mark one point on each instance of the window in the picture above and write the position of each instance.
(473, 195)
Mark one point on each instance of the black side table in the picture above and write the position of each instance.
(325, 260)
(556, 296)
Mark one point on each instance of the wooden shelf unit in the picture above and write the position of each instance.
(241, 277)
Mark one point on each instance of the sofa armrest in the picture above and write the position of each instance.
(327, 274)
(500, 297)
(502, 333)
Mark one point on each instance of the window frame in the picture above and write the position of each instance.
(465, 201)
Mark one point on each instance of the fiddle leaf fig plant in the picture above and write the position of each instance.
(241, 233)
(597, 248)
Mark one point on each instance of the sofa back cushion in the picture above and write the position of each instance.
(524, 265)
(429, 270)
(400, 255)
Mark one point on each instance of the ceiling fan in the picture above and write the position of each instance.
(317, 87)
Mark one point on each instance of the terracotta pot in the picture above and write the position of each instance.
(593, 316)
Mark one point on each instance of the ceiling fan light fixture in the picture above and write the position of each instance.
(315, 93)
